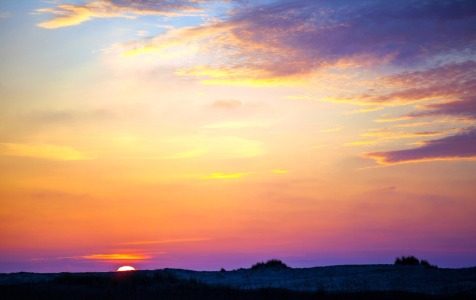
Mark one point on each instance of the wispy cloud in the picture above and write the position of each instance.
(70, 14)
(451, 87)
(464, 107)
(184, 155)
(235, 125)
(279, 171)
(386, 119)
(461, 146)
(227, 104)
(360, 143)
(364, 110)
(42, 151)
(4, 14)
(319, 146)
(170, 241)
(387, 134)
(330, 130)
(225, 175)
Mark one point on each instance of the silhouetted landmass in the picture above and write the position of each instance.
(413, 261)
(274, 280)
(270, 264)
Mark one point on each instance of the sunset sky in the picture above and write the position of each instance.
(203, 134)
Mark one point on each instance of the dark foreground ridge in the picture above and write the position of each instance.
(278, 282)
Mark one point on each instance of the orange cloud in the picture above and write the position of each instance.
(319, 146)
(236, 76)
(389, 135)
(394, 119)
(364, 110)
(278, 171)
(225, 176)
(171, 241)
(360, 143)
(42, 151)
(329, 130)
(117, 256)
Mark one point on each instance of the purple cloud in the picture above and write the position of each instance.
(300, 36)
(453, 147)
(453, 86)
(169, 5)
(464, 107)
(453, 82)
(296, 38)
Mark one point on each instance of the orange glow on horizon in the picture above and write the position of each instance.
(116, 256)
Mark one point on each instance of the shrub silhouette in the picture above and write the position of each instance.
(412, 261)
(407, 261)
(270, 264)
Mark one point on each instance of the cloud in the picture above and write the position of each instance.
(449, 82)
(390, 119)
(235, 125)
(4, 14)
(70, 14)
(360, 143)
(224, 176)
(55, 117)
(461, 146)
(449, 90)
(184, 155)
(329, 130)
(279, 171)
(282, 42)
(364, 110)
(389, 134)
(42, 151)
(464, 107)
(171, 241)
(226, 104)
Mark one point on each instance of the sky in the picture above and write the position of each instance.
(208, 134)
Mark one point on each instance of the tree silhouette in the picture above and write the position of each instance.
(270, 264)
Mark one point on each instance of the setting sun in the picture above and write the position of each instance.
(126, 268)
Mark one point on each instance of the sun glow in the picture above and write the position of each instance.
(126, 268)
